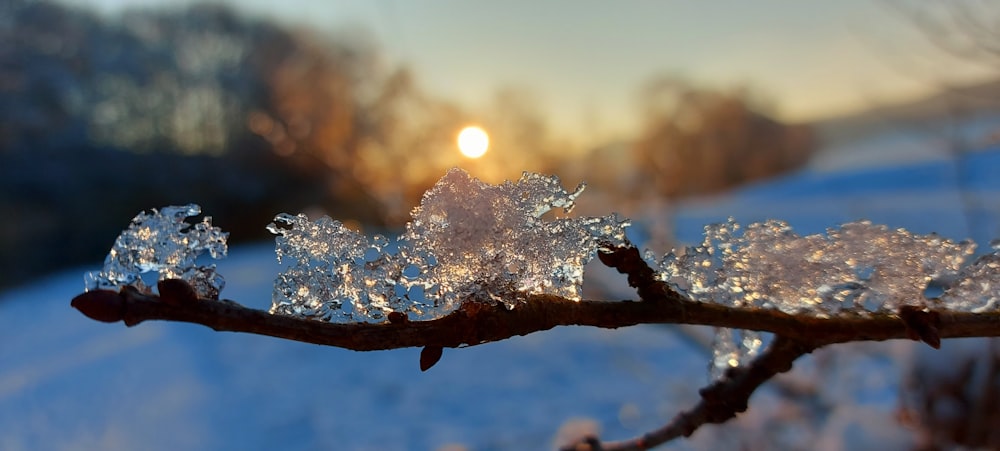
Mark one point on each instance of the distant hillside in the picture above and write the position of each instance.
(965, 118)
(950, 104)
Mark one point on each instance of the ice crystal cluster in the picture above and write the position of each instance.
(336, 274)
(858, 268)
(467, 240)
(977, 289)
(164, 242)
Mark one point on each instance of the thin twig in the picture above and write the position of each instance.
(720, 401)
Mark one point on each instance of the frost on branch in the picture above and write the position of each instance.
(858, 268)
(336, 274)
(978, 287)
(163, 241)
(467, 240)
(493, 239)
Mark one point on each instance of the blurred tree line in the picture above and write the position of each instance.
(697, 140)
(100, 119)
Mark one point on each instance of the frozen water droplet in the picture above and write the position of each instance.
(732, 348)
(416, 294)
(411, 271)
(164, 242)
(371, 254)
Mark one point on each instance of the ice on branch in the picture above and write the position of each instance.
(978, 287)
(732, 348)
(336, 274)
(858, 268)
(492, 239)
(467, 240)
(163, 241)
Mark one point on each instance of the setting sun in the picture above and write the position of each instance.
(473, 141)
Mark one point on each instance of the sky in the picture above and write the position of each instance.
(583, 62)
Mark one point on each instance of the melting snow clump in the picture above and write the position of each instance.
(336, 274)
(978, 287)
(858, 268)
(466, 240)
(163, 241)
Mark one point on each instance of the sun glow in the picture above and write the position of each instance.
(473, 141)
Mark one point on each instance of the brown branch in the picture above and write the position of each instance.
(720, 401)
(476, 322)
(480, 322)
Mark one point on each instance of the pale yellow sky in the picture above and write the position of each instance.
(583, 61)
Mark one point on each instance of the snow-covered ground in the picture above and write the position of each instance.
(956, 199)
(67, 382)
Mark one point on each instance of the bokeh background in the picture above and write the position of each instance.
(676, 114)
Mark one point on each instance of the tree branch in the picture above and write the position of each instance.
(479, 321)
(720, 401)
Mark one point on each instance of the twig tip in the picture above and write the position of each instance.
(100, 305)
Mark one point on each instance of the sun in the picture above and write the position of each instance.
(473, 141)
